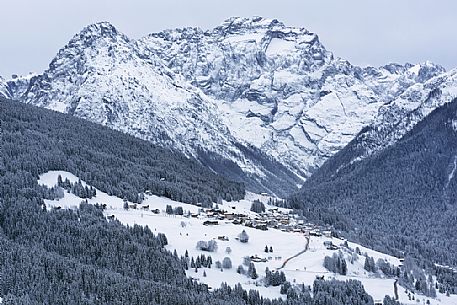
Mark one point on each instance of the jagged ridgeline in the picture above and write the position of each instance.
(402, 198)
(66, 257)
(36, 140)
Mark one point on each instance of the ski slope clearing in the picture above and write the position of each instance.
(299, 256)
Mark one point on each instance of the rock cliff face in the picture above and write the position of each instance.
(252, 98)
(280, 89)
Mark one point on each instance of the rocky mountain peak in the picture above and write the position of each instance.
(93, 38)
(426, 70)
(99, 46)
(237, 24)
(266, 28)
(98, 30)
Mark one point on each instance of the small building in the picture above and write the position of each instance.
(261, 226)
(257, 259)
(229, 216)
(210, 222)
(236, 222)
(284, 221)
(272, 222)
(330, 246)
(315, 233)
(327, 233)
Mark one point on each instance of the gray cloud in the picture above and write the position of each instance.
(363, 31)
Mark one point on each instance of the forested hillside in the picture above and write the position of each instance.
(79, 257)
(38, 140)
(400, 199)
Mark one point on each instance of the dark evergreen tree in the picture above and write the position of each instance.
(252, 272)
(169, 210)
(244, 237)
(257, 206)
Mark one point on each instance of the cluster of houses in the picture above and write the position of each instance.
(272, 218)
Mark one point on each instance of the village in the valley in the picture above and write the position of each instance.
(269, 217)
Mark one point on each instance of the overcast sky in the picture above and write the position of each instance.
(365, 32)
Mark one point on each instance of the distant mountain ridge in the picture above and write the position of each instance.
(253, 99)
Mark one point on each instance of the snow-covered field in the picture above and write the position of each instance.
(183, 233)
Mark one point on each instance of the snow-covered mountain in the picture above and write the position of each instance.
(252, 98)
(280, 89)
(100, 75)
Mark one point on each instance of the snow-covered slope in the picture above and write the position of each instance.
(183, 233)
(101, 76)
(280, 89)
(18, 85)
(252, 98)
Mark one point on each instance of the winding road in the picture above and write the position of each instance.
(306, 249)
(296, 255)
(396, 289)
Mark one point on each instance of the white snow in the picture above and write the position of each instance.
(452, 173)
(454, 124)
(184, 232)
(415, 69)
(254, 37)
(279, 46)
